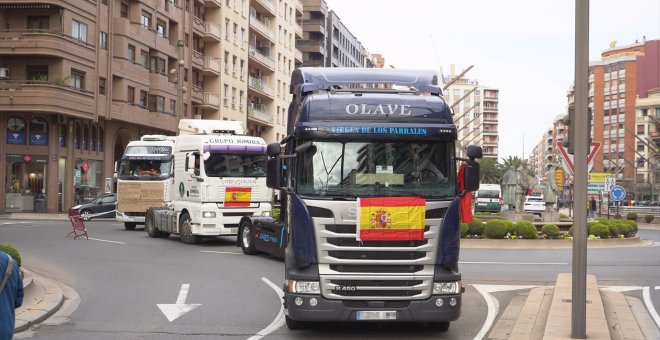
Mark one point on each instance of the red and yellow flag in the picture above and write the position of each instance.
(238, 197)
(391, 218)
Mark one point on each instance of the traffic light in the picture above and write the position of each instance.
(568, 140)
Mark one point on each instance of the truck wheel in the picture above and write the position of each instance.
(129, 225)
(186, 230)
(247, 238)
(295, 324)
(150, 226)
(438, 326)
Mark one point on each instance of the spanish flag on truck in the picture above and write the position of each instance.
(391, 218)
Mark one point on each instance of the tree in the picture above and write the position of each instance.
(512, 161)
(491, 171)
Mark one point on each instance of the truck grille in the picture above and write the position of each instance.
(371, 287)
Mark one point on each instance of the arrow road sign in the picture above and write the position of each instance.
(618, 193)
(173, 311)
(568, 158)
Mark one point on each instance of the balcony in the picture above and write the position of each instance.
(299, 56)
(35, 43)
(490, 98)
(213, 3)
(265, 5)
(314, 25)
(491, 108)
(262, 26)
(210, 101)
(311, 46)
(264, 60)
(126, 69)
(197, 95)
(259, 114)
(212, 32)
(198, 59)
(46, 96)
(198, 26)
(135, 114)
(655, 137)
(261, 86)
(299, 7)
(212, 67)
(489, 132)
(299, 31)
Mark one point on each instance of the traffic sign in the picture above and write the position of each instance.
(560, 177)
(609, 183)
(568, 158)
(618, 193)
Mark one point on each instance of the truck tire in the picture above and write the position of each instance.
(295, 324)
(150, 225)
(129, 225)
(438, 326)
(246, 237)
(186, 230)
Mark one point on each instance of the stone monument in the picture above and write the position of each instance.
(550, 197)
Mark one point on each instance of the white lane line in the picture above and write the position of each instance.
(279, 319)
(98, 239)
(220, 252)
(649, 305)
(517, 263)
(621, 289)
(493, 304)
(657, 287)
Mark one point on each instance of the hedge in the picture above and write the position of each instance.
(600, 230)
(526, 230)
(631, 216)
(464, 230)
(12, 252)
(476, 227)
(495, 229)
(550, 230)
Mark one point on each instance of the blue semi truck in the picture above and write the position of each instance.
(369, 223)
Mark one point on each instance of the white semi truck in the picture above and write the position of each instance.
(219, 177)
(144, 178)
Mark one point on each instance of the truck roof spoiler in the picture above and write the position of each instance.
(157, 138)
(210, 127)
(308, 79)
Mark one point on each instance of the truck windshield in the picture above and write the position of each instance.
(145, 169)
(337, 169)
(235, 165)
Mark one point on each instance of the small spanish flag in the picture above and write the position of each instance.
(391, 218)
(238, 197)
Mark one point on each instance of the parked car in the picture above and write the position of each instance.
(488, 198)
(100, 207)
(534, 205)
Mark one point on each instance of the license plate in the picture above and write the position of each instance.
(375, 315)
(233, 230)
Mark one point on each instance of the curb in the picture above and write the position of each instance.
(43, 297)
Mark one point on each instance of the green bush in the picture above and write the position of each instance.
(631, 216)
(603, 220)
(510, 227)
(550, 230)
(12, 252)
(570, 231)
(476, 227)
(648, 218)
(615, 229)
(563, 216)
(495, 229)
(526, 230)
(632, 228)
(600, 230)
(464, 230)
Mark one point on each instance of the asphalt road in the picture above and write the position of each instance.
(121, 277)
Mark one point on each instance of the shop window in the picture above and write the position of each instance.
(92, 141)
(101, 139)
(63, 132)
(15, 130)
(26, 181)
(38, 131)
(87, 180)
(76, 136)
(85, 139)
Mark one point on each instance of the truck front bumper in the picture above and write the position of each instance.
(428, 310)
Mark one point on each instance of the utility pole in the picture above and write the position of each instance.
(581, 142)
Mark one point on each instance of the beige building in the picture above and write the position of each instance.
(79, 79)
(646, 147)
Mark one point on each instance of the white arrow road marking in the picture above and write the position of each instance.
(620, 289)
(657, 287)
(279, 319)
(492, 303)
(173, 311)
(98, 239)
(649, 305)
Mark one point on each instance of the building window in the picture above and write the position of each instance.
(101, 85)
(143, 98)
(79, 31)
(640, 147)
(131, 53)
(37, 72)
(156, 103)
(640, 129)
(144, 58)
(160, 27)
(173, 106)
(38, 22)
(123, 10)
(157, 65)
(145, 20)
(103, 40)
(77, 80)
(15, 130)
(130, 95)
(225, 99)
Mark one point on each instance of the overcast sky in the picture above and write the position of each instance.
(525, 48)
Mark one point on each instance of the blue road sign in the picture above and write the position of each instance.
(618, 193)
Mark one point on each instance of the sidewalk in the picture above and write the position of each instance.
(43, 297)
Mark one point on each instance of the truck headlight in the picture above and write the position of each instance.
(304, 287)
(208, 214)
(444, 288)
(265, 213)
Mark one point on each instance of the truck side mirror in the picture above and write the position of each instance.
(474, 151)
(274, 173)
(472, 174)
(273, 149)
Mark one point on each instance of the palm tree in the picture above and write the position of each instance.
(512, 161)
(491, 171)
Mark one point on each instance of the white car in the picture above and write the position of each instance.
(534, 205)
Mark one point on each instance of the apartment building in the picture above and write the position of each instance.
(343, 48)
(623, 74)
(79, 79)
(475, 114)
(647, 146)
(313, 42)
